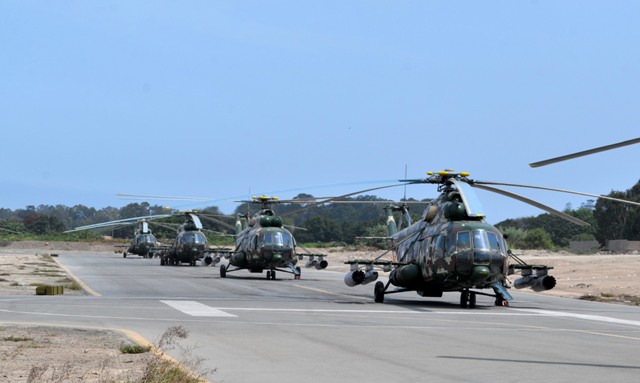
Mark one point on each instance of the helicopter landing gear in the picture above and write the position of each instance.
(271, 274)
(299, 274)
(223, 271)
(500, 301)
(124, 255)
(378, 292)
(467, 299)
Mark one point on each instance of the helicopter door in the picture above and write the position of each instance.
(463, 253)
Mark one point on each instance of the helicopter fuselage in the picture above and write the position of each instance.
(142, 244)
(260, 248)
(449, 256)
(188, 247)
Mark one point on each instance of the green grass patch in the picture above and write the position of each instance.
(48, 258)
(134, 349)
(74, 286)
(48, 274)
(17, 339)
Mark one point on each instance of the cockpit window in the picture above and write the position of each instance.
(277, 239)
(463, 241)
(482, 240)
(479, 240)
(194, 238)
(494, 242)
(144, 238)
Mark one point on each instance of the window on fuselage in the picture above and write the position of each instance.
(278, 239)
(494, 242)
(287, 240)
(463, 241)
(145, 238)
(194, 238)
(479, 240)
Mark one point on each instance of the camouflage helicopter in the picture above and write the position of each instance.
(143, 242)
(452, 247)
(584, 153)
(263, 243)
(190, 245)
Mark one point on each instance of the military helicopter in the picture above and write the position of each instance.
(143, 242)
(452, 247)
(263, 243)
(584, 153)
(190, 245)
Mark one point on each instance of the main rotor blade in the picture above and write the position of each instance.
(119, 222)
(166, 198)
(557, 190)
(533, 203)
(217, 221)
(584, 153)
(339, 197)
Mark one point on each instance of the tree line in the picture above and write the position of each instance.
(329, 223)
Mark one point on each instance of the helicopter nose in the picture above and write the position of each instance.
(480, 273)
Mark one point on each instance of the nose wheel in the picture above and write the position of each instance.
(468, 299)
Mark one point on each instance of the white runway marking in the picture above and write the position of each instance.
(597, 318)
(196, 309)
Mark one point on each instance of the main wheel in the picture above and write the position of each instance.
(464, 299)
(378, 292)
(223, 271)
(299, 273)
(472, 300)
(500, 301)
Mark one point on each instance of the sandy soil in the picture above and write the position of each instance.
(59, 354)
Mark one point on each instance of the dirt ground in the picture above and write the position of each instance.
(59, 354)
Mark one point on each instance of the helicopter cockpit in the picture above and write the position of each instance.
(145, 239)
(192, 238)
(480, 240)
(480, 254)
(276, 239)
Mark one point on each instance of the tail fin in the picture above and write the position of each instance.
(392, 228)
(238, 224)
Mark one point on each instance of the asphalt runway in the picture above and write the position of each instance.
(316, 329)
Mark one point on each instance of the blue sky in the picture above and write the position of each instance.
(224, 99)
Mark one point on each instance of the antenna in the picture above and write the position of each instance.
(405, 185)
